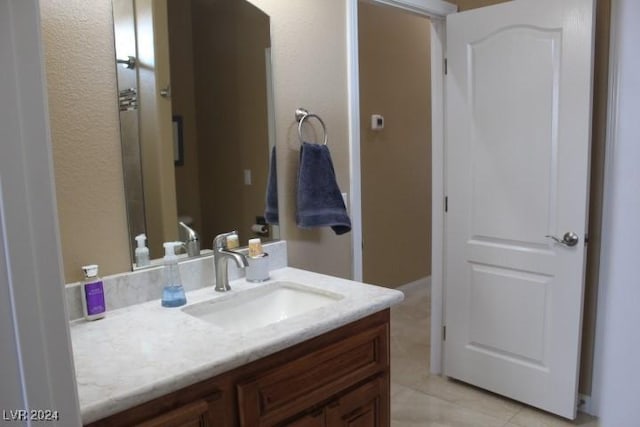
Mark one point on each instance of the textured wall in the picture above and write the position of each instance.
(395, 81)
(79, 52)
(310, 70)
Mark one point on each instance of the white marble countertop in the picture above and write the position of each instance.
(142, 352)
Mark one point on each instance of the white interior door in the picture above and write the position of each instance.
(518, 107)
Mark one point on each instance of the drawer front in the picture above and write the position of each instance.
(195, 414)
(200, 405)
(365, 406)
(293, 387)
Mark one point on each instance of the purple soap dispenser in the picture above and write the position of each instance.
(93, 305)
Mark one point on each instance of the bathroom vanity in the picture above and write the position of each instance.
(340, 378)
(208, 365)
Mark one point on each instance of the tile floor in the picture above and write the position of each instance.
(420, 399)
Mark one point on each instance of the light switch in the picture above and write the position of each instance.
(377, 122)
(247, 177)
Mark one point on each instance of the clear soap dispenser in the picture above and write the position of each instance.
(173, 292)
(142, 252)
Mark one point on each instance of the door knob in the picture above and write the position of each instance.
(569, 239)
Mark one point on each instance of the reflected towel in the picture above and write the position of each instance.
(271, 208)
(320, 202)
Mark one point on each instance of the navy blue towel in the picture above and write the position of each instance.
(271, 208)
(320, 202)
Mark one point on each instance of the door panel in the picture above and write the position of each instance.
(518, 103)
(497, 328)
(513, 149)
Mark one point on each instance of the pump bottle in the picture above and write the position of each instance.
(142, 252)
(173, 292)
(93, 305)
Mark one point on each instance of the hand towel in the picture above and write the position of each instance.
(320, 202)
(271, 208)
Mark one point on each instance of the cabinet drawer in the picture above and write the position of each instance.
(366, 405)
(195, 414)
(270, 397)
(200, 405)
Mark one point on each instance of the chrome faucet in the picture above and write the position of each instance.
(192, 242)
(221, 256)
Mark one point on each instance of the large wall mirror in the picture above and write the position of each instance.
(196, 118)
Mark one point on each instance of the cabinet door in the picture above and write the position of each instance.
(201, 413)
(268, 398)
(365, 406)
(316, 419)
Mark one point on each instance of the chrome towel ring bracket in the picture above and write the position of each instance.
(301, 116)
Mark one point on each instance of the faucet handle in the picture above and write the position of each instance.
(220, 241)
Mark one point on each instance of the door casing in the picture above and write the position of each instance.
(436, 11)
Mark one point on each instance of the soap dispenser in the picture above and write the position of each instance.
(173, 292)
(93, 305)
(142, 252)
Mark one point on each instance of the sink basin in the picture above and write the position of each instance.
(263, 306)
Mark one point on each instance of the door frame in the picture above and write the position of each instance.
(35, 333)
(436, 11)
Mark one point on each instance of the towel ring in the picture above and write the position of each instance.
(301, 115)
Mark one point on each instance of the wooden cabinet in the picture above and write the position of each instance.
(365, 406)
(202, 405)
(197, 414)
(340, 378)
(290, 388)
(314, 419)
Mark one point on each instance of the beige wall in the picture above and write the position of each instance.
(395, 81)
(218, 144)
(472, 4)
(603, 14)
(253, 32)
(310, 70)
(230, 39)
(81, 82)
(156, 133)
(183, 104)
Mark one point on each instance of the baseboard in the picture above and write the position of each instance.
(415, 286)
(585, 405)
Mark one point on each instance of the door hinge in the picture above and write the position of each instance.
(446, 66)
(446, 204)
(586, 239)
(444, 333)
